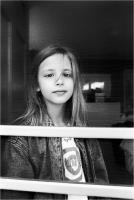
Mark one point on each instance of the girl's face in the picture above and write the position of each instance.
(55, 79)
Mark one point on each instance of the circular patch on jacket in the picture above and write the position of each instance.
(72, 164)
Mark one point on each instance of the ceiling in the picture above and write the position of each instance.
(94, 29)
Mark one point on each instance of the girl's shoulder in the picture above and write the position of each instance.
(28, 144)
(17, 140)
(25, 140)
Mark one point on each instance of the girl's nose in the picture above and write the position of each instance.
(59, 80)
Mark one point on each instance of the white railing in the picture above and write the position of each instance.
(76, 132)
(113, 191)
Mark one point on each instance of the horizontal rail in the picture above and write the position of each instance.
(76, 132)
(67, 188)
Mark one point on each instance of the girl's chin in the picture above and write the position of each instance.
(59, 101)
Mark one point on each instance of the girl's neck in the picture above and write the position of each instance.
(56, 113)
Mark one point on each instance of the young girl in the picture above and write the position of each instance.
(55, 99)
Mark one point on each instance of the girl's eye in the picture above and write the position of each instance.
(48, 75)
(67, 74)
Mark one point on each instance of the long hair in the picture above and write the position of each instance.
(75, 112)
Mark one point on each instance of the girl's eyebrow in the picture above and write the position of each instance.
(51, 70)
(66, 69)
(48, 70)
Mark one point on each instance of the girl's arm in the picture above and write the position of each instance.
(16, 164)
(97, 161)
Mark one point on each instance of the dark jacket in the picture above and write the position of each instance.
(41, 158)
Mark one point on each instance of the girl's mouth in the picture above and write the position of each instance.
(60, 92)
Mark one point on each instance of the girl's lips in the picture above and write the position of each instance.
(60, 92)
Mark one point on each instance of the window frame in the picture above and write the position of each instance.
(113, 191)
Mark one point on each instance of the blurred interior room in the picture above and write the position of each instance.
(101, 35)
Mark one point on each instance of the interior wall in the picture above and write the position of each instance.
(95, 29)
(128, 90)
(14, 37)
(4, 70)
